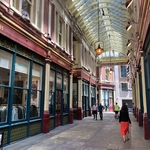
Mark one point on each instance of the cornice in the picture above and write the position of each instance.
(29, 35)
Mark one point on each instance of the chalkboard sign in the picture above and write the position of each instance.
(1, 140)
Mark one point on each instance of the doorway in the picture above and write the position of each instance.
(58, 107)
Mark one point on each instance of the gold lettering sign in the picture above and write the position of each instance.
(1, 27)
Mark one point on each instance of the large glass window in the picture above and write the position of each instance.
(123, 71)
(52, 80)
(66, 101)
(75, 98)
(36, 86)
(60, 32)
(20, 92)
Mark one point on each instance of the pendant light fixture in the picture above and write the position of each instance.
(98, 50)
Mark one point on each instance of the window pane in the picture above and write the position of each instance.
(5, 67)
(65, 105)
(21, 72)
(124, 86)
(74, 104)
(123, 71)
(35, 103)
(59, 80)
(19, 104)
(4, 92)
(26, 7)
(66, 84)
(51, 82)
(36, 77)
(51, 103)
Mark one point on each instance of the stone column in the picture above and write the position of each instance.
(46, 115)
(100, 96)
(145, 117)
(70, 104)
(79, 110)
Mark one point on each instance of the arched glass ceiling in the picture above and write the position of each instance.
(109, 17)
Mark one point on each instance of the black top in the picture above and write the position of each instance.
(124, 117)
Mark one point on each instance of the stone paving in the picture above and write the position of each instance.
(87, 134)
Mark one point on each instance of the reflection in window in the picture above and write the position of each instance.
(5, 65)
(51, 103)
(36, 90)
(19, 104)
(59, 80)
(21, 73)
(66, 100)
(4, 95)
(51, 82)
(75, 98)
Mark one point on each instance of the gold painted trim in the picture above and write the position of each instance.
(30, 35)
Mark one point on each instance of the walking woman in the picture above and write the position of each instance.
(124, 120)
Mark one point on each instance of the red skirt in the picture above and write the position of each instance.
(124, 128)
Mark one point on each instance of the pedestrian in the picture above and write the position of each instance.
(106, 107)
(100, 109)
(116, 109)
(124, 121)
(94, 109)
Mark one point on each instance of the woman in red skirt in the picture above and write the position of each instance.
(124, 120)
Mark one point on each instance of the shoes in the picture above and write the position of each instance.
(127, 139)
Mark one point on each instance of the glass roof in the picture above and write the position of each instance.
(104, 22)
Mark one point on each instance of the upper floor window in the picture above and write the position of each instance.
(124, 86)
(123, 71)
(31, 10)
(106, 74)
(60, 33)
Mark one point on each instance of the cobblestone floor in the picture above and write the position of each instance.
(87, 134)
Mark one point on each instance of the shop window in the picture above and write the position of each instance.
(36, 87)
(19, 108)
(21, 73)
(51, 82)
(66, 100)
(75, 96)
(59, 80)
(5, 65)
(51, 103)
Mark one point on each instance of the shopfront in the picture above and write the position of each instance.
(85, 99)
(21, 91)
(58, 96)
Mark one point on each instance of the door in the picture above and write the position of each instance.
(58, 107)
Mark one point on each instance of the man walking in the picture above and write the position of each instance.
(101, 108)
(94, 109)
(116, 109)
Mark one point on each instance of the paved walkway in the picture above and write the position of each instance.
(87, 134)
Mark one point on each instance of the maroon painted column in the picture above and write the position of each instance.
(79, 113)
(45, 122)
(70, 115)
(137, 114)
(140, 118)
(145, 125)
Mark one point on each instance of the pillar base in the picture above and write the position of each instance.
(140, 118)
(79, 113)
(70, 115)
(137, 114)
(145, 125)
(45, 122)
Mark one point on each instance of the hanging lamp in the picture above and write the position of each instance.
(98, 50)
